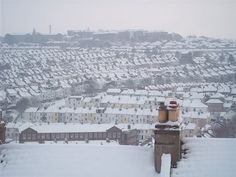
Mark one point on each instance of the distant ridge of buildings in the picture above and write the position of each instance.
(107, 36)
(34, 37)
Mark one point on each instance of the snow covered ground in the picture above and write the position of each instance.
(208, 157)
(76, 160)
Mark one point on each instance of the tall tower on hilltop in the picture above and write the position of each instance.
(168, 134)
(2, 129)
(34, 32)
(50, 29)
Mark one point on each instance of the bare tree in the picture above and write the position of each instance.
(22, 104)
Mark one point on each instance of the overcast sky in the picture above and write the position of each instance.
(214, 18)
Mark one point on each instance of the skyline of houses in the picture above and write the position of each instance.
(123, 83)
(161, 96)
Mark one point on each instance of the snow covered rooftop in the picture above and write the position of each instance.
(194, 104)
(60, 127)
(207, 157)
(112, 91)
(217, 95)
(233, 91)
(123, 99)
(196, 115)
(71, 127)
(190, 126)
(214, 101)
(60, 160)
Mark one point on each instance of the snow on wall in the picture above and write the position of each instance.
(207, 157)
(165, 165)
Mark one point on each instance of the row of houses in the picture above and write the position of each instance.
(105, 108)
(90, 115)
(149, 97)
(115, 101)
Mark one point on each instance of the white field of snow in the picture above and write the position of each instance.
(80, 160)
(208, 157)
(166, 164)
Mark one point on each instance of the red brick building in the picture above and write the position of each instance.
(77, 132)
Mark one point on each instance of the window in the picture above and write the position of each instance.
(43, 136)
(38, 136)
(104, 135)
(95, 135)
(72, 135)
(118, 134)
(28, 136)
(53, 136)
(62, 135)
(24, 136)
(90, 135)
(67, 135)
(81, 135)
(99, 135)
(58, 135)
(114, 135)
(48, 136)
